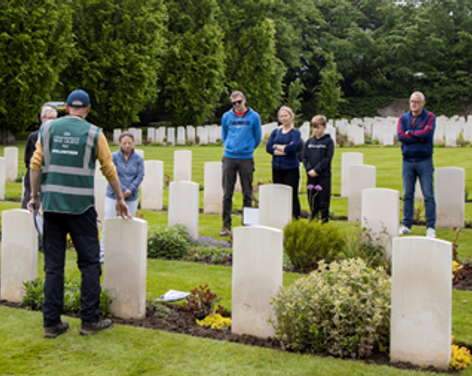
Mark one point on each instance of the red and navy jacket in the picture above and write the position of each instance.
(417, 142)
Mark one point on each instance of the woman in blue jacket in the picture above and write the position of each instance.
(283, 144)
(130, 169)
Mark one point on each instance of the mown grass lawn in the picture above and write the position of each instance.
(134, 351)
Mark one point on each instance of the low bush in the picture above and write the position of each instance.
(202, 302)
(342, 309)
(306, 243)
(210, 254)
(168, 242)
(363, 245)
(34, 297)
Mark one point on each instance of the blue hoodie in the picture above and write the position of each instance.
(241, 135)
(417, 142)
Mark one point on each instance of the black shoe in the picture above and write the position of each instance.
(89, 328)
(226, 231)
(54, 331)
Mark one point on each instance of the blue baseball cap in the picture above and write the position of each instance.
(78, 98)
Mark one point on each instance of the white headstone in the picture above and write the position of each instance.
(139, 152)
(183, 205)
(2, 178)
(100, 189)
(451, 136)
(213, 134)
(160, 134)
(360, 177)
(332, 132)
(450, 197)
(138, 137)
(305, 131)
(355, 135)
(152, 186)
(275, 205)
(180, 136)
(213, 190)
(125, 266)
(421, 312)
(19, 253)
(171, 136)
(204, 136)
(11, 162)
(380, 213)
(257, 277)
(348, 160)
(439, 133)
(116, 136)
(182, 165)
(468, 131)
(418, 191)
(191, 133)
(151, 134)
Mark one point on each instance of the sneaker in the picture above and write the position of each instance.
(430, 232)
(404, 230)
(89, 328)
(54, 331)
(226, 231)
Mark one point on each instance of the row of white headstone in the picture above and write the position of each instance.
(384, 129)
(449, 190)
(421, 287)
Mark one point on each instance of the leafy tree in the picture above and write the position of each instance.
(251, 62)
(294, 90)
(35, 39)
(329, 91)
(116, 57)
(193, 73)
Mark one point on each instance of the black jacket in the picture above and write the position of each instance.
(318, 154)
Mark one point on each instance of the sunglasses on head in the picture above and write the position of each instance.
(237, 102)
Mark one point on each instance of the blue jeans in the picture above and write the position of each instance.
(424, 170)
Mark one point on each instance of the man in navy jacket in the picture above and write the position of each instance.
(415, 130)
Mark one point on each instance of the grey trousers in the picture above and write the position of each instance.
(245, 169)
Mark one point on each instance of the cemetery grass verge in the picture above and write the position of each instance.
(128, 350)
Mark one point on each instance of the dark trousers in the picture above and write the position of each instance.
(319, 200)
(84, 234)
(245, 169)
(291, 178)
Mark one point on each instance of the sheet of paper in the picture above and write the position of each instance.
(172, 296)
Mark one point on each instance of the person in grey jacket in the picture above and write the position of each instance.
(130, 169)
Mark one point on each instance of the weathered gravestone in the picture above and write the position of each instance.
(171, 136)
(275, 205)
(360, 177)
(138, 137)
(348, 160)
(183, 205)
(151, 134)
(11, 163)
(152, 186)
(213, 191)
(450, 197)
(180, 136)
(355, 135)
(19, 253)
(421, 302)
(380, 213)
(125, 266)
(257, 277)
(182, 165)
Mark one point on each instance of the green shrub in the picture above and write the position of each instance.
(306, 243)
(34, 296)
(168, 242)
(342, 309)
(362, 245)
(201, 302)
(212, 254)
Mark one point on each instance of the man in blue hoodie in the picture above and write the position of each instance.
(415, 130)
(241, 133)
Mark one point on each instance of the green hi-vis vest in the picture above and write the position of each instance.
(67, 174)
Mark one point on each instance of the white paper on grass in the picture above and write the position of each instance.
(172, 296)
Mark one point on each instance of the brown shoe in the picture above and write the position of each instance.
(226, 231)
(89, 328)
(54, 331)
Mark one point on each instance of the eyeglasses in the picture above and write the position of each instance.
(415, 102)
(237, 102)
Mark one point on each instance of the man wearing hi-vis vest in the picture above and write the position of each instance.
(64, 162)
